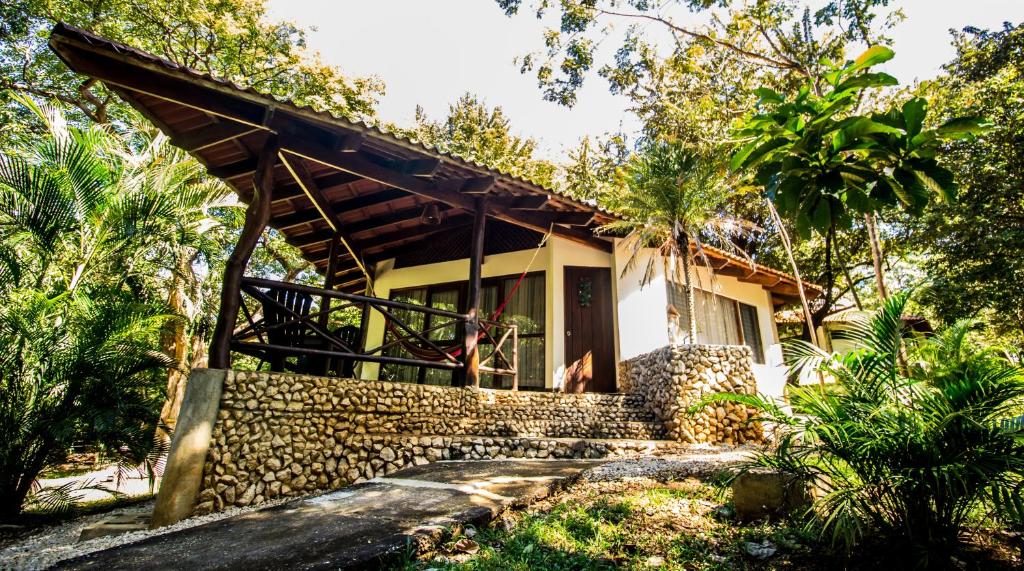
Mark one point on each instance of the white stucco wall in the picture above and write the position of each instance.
(643, 318)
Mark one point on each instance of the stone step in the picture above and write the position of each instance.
(472, 447)
(642, 430)
(534, 426)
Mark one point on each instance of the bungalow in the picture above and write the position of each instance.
(444, 283)
(436, 270)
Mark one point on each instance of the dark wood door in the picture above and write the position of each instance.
(589, 330)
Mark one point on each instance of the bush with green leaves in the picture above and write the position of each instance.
(910, 441)
(87, 218)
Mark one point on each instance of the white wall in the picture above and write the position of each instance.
(643, 317)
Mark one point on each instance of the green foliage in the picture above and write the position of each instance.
(972, 248)
(673, 194)
(483, 135)
(231, 39)
(90, 222)
(745, 41)
(822, 163)
(903, 453)
(77, 366)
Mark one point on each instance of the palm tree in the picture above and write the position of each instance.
(92, 225)
(675, 196)
(902, 453)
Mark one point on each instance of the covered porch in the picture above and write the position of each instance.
(352, 198)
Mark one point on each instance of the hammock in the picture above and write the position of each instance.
(455, 350)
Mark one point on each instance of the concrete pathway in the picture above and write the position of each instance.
(355, 527)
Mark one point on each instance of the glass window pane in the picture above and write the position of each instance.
(752, 331)
(526, 308)
(415, 319)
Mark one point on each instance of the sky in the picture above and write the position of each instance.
(429, 52)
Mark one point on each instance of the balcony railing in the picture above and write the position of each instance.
(285, 320)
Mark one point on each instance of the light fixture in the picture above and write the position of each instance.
(431, 215)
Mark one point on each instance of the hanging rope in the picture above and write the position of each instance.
(428, 354)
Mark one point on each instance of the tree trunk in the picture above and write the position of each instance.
(691, 317)
(175, 343)
(796, 271)
(871, 225)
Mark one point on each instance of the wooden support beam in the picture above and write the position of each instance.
(470, 352)
(211, 135)
(329, 278)
(352, 162)
(417, 167)
(256, 216)
(478, 185)
(533, 202)
(233, 170)
(349, 142)
(153, 80)
(413, 232)
(301, 175)
(571, 218)
(325, 182)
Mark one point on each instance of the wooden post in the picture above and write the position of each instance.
(257, 215)
(332, 268)
(325, 302)
(515, 357)
(476, 258)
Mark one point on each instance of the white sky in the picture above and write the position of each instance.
(431, 52)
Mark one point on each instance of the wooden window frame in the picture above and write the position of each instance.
(462, 287)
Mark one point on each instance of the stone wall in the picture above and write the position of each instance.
(673, 378)
(280, 434)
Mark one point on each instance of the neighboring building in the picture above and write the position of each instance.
(831, 331)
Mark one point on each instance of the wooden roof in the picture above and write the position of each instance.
(335, 174)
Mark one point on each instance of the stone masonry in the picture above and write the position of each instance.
(276, 435)
(674, 378)
(281, 434)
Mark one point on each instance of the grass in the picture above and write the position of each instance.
(675, 525)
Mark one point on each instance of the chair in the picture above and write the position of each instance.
(291, 335)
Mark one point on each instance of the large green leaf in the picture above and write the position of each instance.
(963, 127)
(857, 129)
(914, 111)
(871, 57)
(867, 80)
(937, 179)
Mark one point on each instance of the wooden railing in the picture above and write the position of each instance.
(284, 322)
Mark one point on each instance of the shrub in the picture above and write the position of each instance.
(909, 442)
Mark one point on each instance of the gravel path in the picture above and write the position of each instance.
(699, 464)
(53, 544)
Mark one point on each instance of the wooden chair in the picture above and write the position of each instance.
(291, 335)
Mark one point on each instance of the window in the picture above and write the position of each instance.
(526, 308)
(752, 331)
(720, 320)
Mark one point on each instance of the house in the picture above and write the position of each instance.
(387, 218)
(444, 282)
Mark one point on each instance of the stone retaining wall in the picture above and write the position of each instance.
(673, 378)
(280, 434)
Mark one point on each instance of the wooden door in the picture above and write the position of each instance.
(589, 330)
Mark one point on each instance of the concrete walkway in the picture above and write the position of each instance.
(355, 527)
